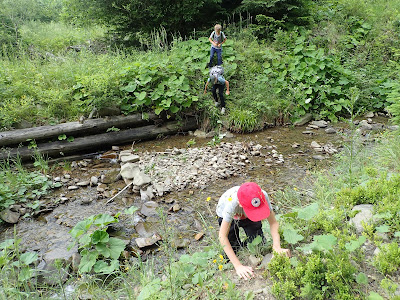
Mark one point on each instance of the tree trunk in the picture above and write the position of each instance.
(98, 142)
(73, 129)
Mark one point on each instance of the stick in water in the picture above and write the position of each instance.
(111, 199)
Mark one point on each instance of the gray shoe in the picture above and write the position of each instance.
(222, 110)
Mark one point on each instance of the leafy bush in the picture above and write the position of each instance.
(388, 259)
(21, 186)
(99, 251)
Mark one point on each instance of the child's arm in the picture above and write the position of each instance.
(276, 240)
(243, 271)
(205, 88)
(227, 87)
(212, 42)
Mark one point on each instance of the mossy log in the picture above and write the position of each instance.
(98, 142)
(74, 129)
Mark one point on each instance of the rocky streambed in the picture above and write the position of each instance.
(180, 177)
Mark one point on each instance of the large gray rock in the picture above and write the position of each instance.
(131, 171)
(303, 120)
(9, 216)
(363, 216)
(320, 124)
(149, 209)
(147, 242)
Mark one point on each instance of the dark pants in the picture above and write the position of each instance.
(219, 56)
(252, 230)
(220, 88)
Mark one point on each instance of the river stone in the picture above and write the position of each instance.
(175, 208)
(147, 242)
(83, 183)
(314, 144)
(146, 229)
(200, 134)
(308, 132)
(318, 157)
(67, 176)
(131, 158)
(199, 236)
(365, 125)
(330, 130)
(94, 180)
(296, 145)
(267, 258)
(393, 127)
(303, 120)
(369, 114)
(9, 216)
(124, 152)
(377, 126)
(57, 179)
(365, 215)
(320, 124)
(147, 194)
(254, 261)
(73, 187)
(149, 209)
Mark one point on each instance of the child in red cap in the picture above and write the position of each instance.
(245, 206)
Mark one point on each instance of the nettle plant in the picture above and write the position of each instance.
(99, 251)
(317, 81)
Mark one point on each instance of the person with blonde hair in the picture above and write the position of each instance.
(217, 38)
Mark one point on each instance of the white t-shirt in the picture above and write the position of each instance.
(228, 205)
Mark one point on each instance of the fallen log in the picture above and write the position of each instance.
(98, 142)
(75, 129)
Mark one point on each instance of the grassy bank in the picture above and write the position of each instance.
(344, 63)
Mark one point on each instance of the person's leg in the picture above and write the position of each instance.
(214, 92)
(221, 94)
(233, 235)
(212, 52)
(219, 56)
(252, 229)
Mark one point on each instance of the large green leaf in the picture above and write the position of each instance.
(88, 260)
(116, 247)
(104, 220)
(103, 249)
(100, 236)
(324, 242)
(28, 257)
(308, 212)
(103, 267)
(291, 236)
(81, 227)
(362, 278)
(374, 296)
(353, 245)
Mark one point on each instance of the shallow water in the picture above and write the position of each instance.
(50, 230)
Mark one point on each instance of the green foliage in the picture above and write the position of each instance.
(243, 120)
(317, 81)
(388, 259)
(198, 272)
(16, 269)
(99, 251)
(316, 276)
(17, 185)
(131, 19)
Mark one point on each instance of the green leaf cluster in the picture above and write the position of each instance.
(100, 252)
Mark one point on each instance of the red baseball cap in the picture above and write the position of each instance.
(253, 201)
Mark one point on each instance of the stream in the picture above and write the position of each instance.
(287, 156)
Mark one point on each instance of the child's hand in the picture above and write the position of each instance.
(227, 92)
(245, 272)
(282, 251)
